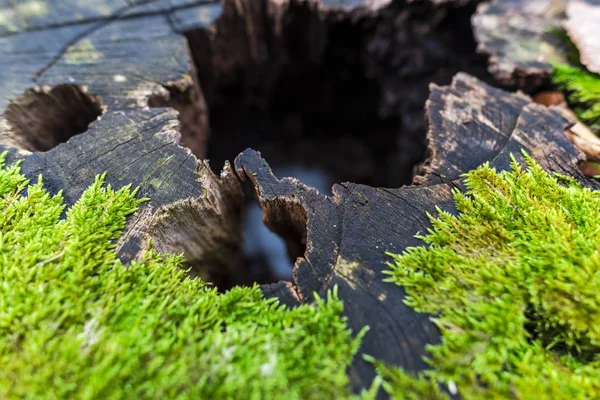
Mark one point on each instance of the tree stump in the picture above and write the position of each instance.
(146, 91)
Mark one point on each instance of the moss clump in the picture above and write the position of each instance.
(83, 52)
(75, 323)
(583, 91)
(514, 282)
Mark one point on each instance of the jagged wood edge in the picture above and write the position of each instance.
(348, 233)
(345, 235)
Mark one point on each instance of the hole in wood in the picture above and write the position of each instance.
(263, 249)
(340, 90)
(275, 234)
(265, 252)
(321, 114)
(42, 118)
(337, 93)
(209, 232)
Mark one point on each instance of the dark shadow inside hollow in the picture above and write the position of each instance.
(274, 237)
(222, 236)
(275, 231)
(339, 91)
(317, 109)
(324, 90)
(582, 350)
(42, 118)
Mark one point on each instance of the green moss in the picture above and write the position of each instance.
(583, 91)
(404, 386)
(346, 267)
(83, 52)
(32, 8)
(514, 283)
(75, 323)
(581, 86)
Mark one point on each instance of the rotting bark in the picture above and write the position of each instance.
(186, 97)
(251, 57)
(207, 231)
(330, 85)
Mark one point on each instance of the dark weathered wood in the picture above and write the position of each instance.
(123, 53)
(348, 63)
(518, 37)
(347, 234)
(60, 72)
(135, 57)
(20, 16)
(465, 129)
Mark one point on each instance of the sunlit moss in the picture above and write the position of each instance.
(76, 323)
(513, 281)
(583, 91)
(581, 86)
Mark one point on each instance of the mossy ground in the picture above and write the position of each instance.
(514, 283)
(76, 323)
(583, 91)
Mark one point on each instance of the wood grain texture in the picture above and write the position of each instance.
(123, 54)
(127, 58)
(348, 233)
(31, 15)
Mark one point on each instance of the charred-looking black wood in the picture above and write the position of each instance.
(115, 67)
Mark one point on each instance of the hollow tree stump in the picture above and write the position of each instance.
(123, 68)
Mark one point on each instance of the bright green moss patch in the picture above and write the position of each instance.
(581, 86)
(514, 283)
(75, 323)
(583, 91)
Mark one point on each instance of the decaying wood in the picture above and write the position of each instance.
(43, 117)
(483, 128)
(124, 56)
(580, 134)
(347, 234)
(104, 61)
(206, 229)
(583, 138)
(350, 64)
(583, 26)
(119, 60)
(519, 39)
